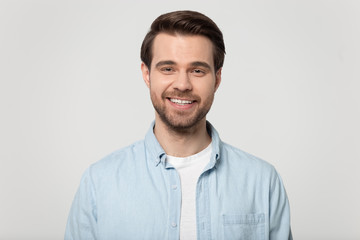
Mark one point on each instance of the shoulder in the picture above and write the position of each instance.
(236, 158)
(242, 167)
(118, 158)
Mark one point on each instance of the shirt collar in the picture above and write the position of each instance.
(158, 155)
(216, 145)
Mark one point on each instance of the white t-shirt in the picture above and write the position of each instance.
(189, 169)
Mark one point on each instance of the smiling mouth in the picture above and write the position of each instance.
(180, 102)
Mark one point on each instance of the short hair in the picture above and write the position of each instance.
(186, 23)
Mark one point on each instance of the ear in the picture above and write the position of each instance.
(217, 79)
(145, 74)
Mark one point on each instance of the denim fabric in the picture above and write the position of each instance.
(135, 194)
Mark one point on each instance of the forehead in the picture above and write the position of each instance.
(182, 49)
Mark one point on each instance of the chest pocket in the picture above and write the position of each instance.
(244, 226)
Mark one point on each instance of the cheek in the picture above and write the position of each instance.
(156, 88)
(206, 91)
(154, 92)
(160, 85)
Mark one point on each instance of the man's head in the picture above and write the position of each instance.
(185, 52)
(185, 23)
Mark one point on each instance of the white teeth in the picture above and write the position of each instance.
(181, 102)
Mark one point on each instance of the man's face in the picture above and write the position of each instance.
(182, 79)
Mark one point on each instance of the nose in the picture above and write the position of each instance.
(182, 82)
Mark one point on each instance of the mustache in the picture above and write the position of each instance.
(180, 94)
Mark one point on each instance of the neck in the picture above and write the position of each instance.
(182, 143)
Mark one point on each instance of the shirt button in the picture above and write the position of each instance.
(174, 187)
(173, 224)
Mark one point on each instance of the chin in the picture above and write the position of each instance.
(182, 125)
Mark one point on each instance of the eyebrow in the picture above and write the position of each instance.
(162, 63)
(193, 64)
(200, 64)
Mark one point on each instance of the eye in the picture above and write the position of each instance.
(167, 70)
(198, 72)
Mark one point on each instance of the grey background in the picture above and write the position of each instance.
(71, 92)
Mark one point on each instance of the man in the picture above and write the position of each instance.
(181, 181)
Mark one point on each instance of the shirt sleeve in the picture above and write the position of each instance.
(279, 211)
(82, 220)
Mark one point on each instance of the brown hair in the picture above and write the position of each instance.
(187, 23)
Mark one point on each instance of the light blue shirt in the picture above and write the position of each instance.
(135, 194)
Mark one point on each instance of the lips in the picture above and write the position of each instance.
(180, 101)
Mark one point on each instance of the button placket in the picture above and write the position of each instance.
(174, 203)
